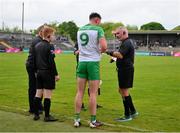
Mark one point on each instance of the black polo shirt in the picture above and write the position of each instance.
(44, 53)
(30, 62)
(127, 50)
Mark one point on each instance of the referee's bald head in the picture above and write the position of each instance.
(121, 33)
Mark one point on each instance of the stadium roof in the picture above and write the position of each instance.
(154, 32)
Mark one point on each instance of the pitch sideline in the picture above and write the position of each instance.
(106, 124)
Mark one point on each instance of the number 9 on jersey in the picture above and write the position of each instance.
(84, 39)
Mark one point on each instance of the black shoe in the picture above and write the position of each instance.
(98, 106)
(36, 117)
(50, 119)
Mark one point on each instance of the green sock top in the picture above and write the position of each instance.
(93, 117)
(77, 116)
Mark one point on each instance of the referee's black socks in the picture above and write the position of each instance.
(131, 105)
(128, 105)
(47, 104)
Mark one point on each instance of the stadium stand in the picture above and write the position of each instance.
(18, 40)
(156, 40)
(164, 41)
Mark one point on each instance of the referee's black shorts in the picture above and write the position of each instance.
(125, 77)
(45, 80)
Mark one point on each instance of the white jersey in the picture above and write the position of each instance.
(88, 43)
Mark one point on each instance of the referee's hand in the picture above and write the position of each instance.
(57, 78)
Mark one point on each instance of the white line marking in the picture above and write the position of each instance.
(107, 124)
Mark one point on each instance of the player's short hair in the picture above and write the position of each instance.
(47, 31)
(94, 15)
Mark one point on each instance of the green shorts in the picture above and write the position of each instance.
(88, 70)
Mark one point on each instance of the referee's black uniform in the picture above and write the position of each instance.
(45, 64)
(125, 66)
(31, 70)
(46, 72)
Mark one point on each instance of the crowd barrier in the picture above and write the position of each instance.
(143, 53)
(59, 51)
(10, 50)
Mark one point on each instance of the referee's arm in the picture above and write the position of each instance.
(52, 62)
(115, 54)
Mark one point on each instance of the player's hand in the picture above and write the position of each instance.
(109, 53)
(57, 78)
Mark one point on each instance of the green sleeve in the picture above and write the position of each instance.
(100, 33)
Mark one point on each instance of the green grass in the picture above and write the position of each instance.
(156, 95)
(13, 122)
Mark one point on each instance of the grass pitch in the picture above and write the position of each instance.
(156, 95)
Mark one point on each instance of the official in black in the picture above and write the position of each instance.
(31, 70)
(125, 70)
(46, 73)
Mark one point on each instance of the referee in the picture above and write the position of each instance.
(125, 69)
(31, 70)
(46, 73)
